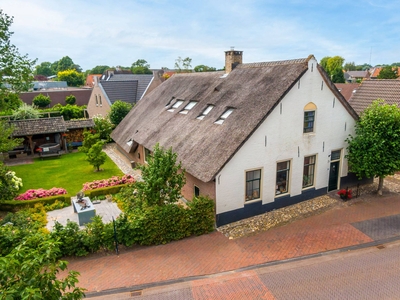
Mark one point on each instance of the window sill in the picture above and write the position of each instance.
(282, 195)
(308, 188)
(252, 201)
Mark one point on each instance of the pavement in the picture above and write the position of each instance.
(196, 261)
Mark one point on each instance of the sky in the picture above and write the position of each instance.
(118, 33)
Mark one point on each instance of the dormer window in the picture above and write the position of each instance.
(176, 105)
(188, 107)
(205, 112)
(169, 102)
(224, 116)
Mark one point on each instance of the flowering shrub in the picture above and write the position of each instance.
(115, 180)
(16, 182)
(40, 193)
(345, 194)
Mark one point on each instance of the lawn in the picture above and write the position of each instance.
(69, 171)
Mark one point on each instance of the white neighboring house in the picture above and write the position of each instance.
(258, 137)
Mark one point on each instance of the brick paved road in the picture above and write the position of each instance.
(214, 253)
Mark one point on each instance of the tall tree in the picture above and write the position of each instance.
(334, 67)
(203, 68)
(72, 77)
(350, 66)
(183, 65)
(16, 71)
(44, 69)
(374, 150)
(141, 67)
(388, 72)
(99, 69)
(65, 63)
(95, 156)
(6, 142)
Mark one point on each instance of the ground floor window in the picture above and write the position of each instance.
(196, 191)
(253, 183)
(147, 154)
(308, 171)
(282, 177)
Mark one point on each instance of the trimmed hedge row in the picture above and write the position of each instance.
(104, 191)
(150, 226)
(16, 205)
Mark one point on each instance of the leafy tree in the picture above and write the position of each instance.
(203, 68)
(163, 179)
(25, 112)
(103, 126)
(16, 71)
(141, 67)
(388, 72)
(333, 66)
(374, 150)
(71, 99)
(95, 156)
(66, 63)
(44, 69)
(10, 102)
(30, 272)
(350, 66)
(99, 69)
(118, 111)
(396, 64)
(183, 65)
(72, 77)
(7, 143)
(89, 139)
(41, 100)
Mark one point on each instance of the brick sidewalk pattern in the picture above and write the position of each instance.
(215, 253)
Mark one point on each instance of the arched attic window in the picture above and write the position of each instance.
(309, 117)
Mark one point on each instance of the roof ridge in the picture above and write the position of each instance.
(275, 63)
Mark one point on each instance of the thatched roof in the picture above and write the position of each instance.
(38, 126)
(204, 147)
(370, 90)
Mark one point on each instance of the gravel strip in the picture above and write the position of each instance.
(286, 215)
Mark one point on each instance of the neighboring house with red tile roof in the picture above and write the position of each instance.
(90, 79)
(255, 137)
(129, 88)
(347, 89)
(375, 72)
(370, 90)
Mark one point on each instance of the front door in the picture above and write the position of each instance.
(333, 176)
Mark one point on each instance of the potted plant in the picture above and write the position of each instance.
(345, 194)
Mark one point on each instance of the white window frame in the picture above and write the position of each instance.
(253, 197)
(176, 105)
(224, 116)
(280, 181)
(205, 112)
(188, 107)
(314, 164)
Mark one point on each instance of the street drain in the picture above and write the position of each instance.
(380, 247)
(136, 293)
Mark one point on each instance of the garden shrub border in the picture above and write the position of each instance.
(15, 205)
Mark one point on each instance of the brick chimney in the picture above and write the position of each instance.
(232, 59)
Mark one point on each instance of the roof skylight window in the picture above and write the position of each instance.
(188, 107)
(224, 116)
(176, 105)
(205, 112)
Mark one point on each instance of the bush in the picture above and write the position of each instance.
(41, 100)
(115, 180)
(71, 99)
(201, 213)
(15, 205)
(40, 193)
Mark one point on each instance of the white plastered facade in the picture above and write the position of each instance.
(280, 138)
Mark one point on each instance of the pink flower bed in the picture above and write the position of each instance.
(115, 180)
(40, 193)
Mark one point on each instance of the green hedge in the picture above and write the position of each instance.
(15, 205)
(111, 190)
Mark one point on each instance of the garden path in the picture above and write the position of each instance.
(107, 210)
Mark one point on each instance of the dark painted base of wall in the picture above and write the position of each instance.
(257, 208)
